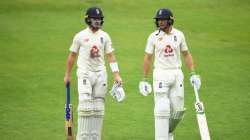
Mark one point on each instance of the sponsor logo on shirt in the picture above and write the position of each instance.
(168, 51)
(94, 52)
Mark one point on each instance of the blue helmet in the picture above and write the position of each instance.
(164, 14)
(93, 12)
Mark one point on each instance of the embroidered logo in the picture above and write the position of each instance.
(175, 38)
(86, 40)
(97, 11)
(160, 85)
(160, 12)
(84, 81)
(102, 40)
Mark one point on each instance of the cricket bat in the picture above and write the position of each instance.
(201, 117)
(68, 115)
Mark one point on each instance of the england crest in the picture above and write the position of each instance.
(102, 40)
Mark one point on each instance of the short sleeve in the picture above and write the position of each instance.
(150, 45)
(75, 45)
(183, 44)
(108, 45)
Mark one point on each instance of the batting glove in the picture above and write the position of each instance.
(117, 92)
(145, 87)
(195, 80)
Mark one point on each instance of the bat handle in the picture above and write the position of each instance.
(196, 93)
(68, 94)
(67, 84)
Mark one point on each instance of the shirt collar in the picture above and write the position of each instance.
(90, 31)
(172, 30)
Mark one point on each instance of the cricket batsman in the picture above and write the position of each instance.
(167, 44)
(91, 45)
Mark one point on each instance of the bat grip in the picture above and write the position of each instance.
(67, 94)
(196, 93)
(67, 84)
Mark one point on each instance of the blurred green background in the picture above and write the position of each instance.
(34, 41)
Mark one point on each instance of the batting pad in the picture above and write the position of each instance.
(170, 136)
(91, 107)
(162, 106)
(84, 128)
(175, 118)
(161, 127)
(96, 128)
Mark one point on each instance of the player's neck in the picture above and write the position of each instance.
(168, 30)
(94, 30)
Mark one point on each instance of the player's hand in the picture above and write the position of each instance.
(117, 79)
(117, 92)
(145, 87)
(66, 79)
(195, 80)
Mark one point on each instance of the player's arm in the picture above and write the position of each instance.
(188, 60)
(144, 86)
(69, 65)
(194, 78)
(146, 65)
(114, 67)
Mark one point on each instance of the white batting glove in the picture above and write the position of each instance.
(145, 88)
(195, 80)
(117, 92)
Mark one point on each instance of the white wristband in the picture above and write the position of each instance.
(114, 66)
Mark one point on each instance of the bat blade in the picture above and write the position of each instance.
(203, 127)
(202, 121)
(69, 123)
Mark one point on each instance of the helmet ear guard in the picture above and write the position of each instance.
(170, 21)
(87, 20)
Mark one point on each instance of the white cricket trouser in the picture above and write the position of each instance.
(93, 83)
(168, 97)
(92, 88)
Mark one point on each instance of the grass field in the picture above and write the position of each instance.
(34, 41)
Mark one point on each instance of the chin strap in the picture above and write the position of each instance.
(158, 32)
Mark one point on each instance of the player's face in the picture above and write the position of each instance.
(162, 23)
(96, 23)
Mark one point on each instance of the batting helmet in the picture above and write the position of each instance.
(93, 12)
(164, 14)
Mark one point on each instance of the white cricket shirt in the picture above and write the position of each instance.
(83, 43)
(167, 48)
